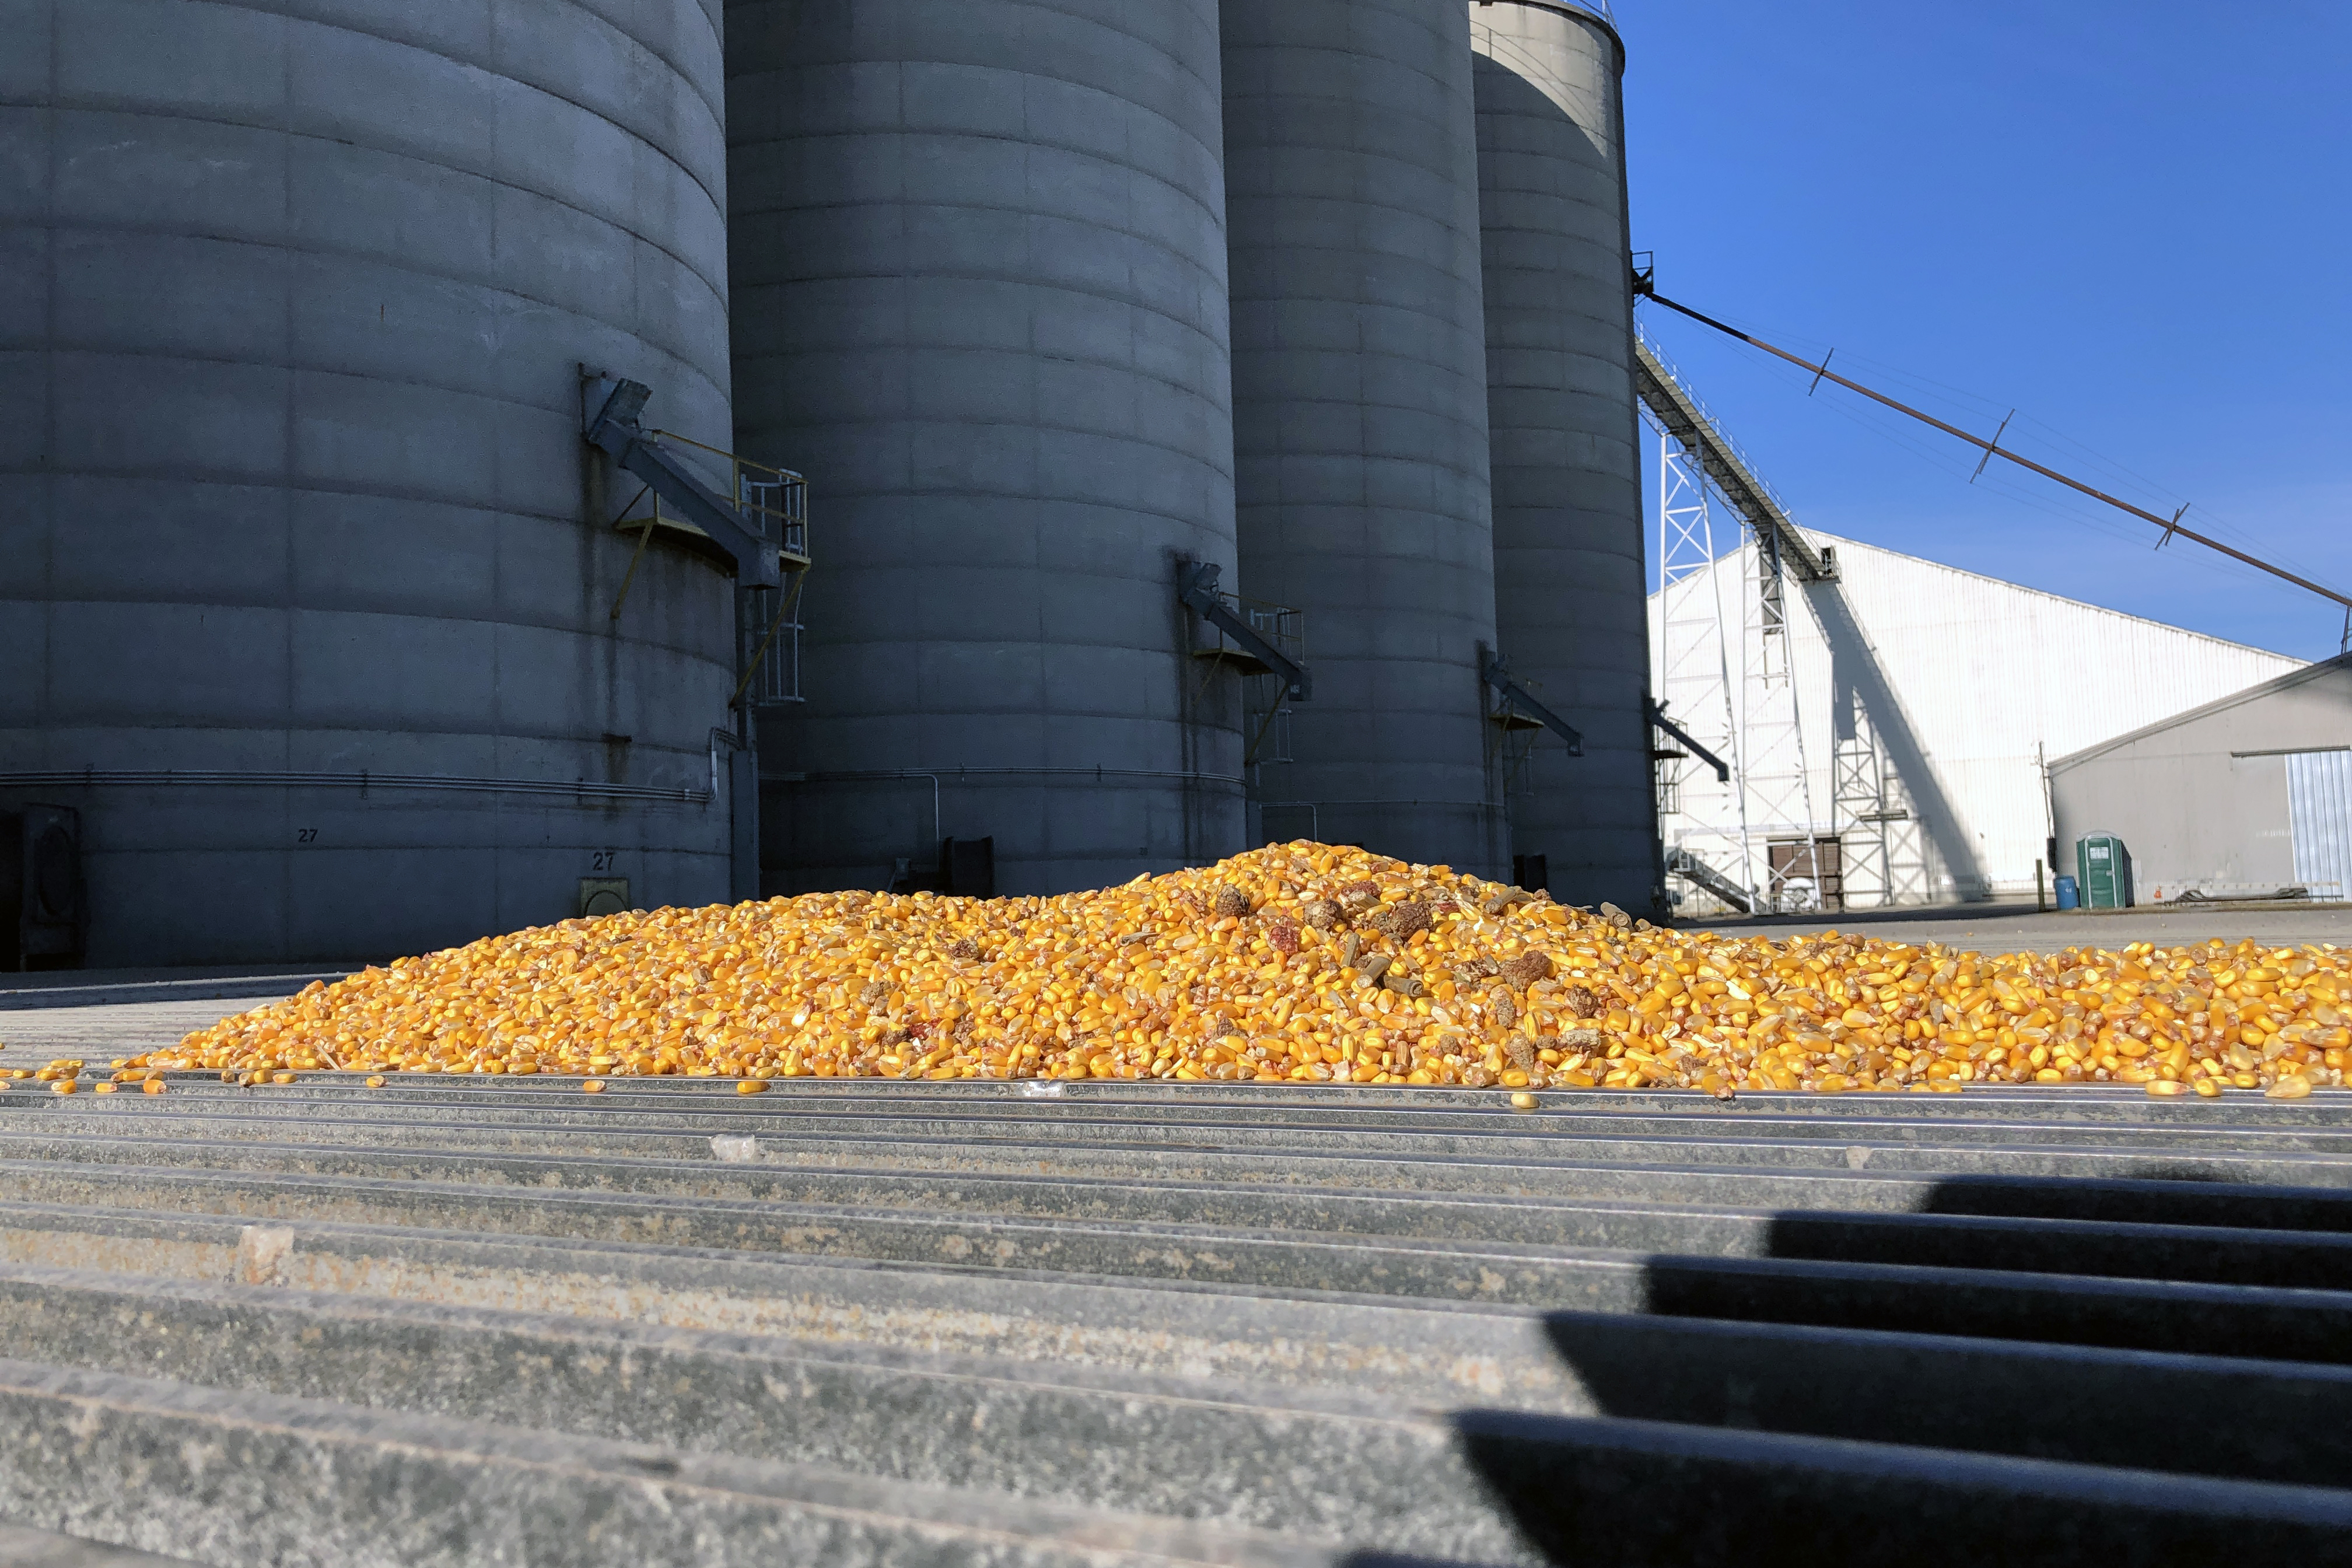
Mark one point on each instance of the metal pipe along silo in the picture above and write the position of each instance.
(307, 585)
(1569, 576)
(979, 250)
(1360, 412)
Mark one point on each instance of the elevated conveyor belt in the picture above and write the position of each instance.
(1679, 412)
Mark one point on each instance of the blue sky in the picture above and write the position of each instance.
(2131, 223)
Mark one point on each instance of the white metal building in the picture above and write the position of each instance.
(1905, 713)
(2241, 797)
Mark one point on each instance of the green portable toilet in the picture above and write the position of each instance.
(2104, 868)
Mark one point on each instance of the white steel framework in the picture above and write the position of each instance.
(1694, 663)
(1753, 725)
(1877, 828)
(1779, 788)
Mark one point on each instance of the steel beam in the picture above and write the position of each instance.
(1494, 674)
(611, 427)
(1196, 588)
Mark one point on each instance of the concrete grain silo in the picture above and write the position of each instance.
(1569, 587)
(979, 250)
(1360, 411)
(307, 577)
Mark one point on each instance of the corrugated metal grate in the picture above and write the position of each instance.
(2319, 808)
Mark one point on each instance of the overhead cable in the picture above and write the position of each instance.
(2171, 525)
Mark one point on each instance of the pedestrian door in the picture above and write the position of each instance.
(2319, 811)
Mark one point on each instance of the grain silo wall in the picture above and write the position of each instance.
(1569, 587)
(980, 257)
(1360, 398)
(292, 493)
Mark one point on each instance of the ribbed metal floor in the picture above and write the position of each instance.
(457, 1322)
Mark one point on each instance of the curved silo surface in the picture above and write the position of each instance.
(1569, 575)
(293, 499)
(1360, 410)
(979, 257)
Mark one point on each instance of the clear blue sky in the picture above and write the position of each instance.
(2132, 223)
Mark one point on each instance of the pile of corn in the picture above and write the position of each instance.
(1297, 963)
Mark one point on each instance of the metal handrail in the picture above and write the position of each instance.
(1598, 7)
(1698, 405)
(775, 498)
(1280, 624)
(1273, 635)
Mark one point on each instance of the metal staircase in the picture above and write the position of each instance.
(1690, 867)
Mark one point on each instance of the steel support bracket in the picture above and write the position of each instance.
(1651, 711)
(610, 407)
(1492, 671)
(1196, 589)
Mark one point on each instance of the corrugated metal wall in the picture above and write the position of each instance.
(2319, 804)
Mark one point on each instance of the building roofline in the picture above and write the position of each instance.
(1746, 542)
(2060, 598)
(2276, 683)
